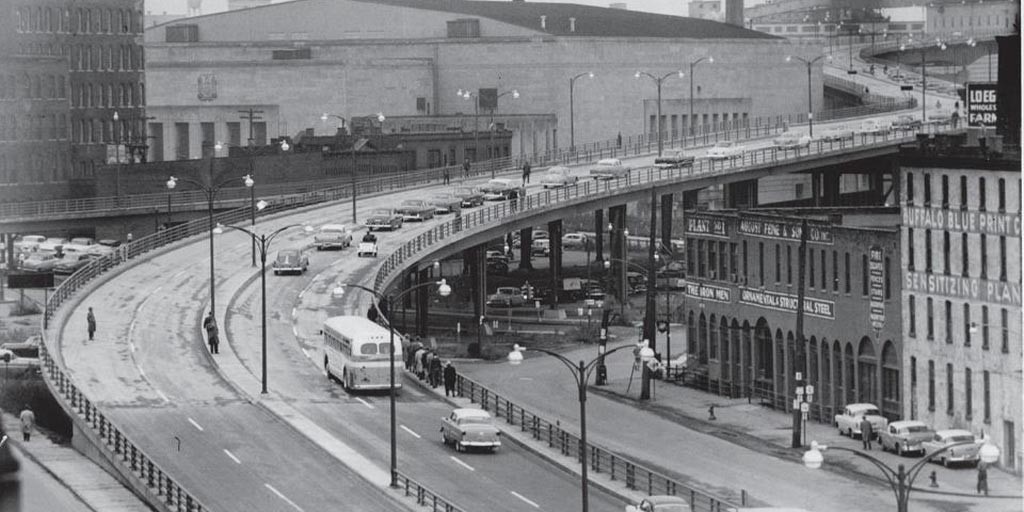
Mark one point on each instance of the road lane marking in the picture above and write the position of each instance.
(364, 402)
(196, 425)
(308, 356)
(414, 434)
(295, 312)
(524, 498)
(162, 395)
(229, 454)
(141, 371)
(459, 462)
(283, 497)
(295, 331)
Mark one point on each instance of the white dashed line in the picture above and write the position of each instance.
(463, 464)
(232, 456)
(295, 312)
(308, 356)
(364, 402)
(295, 331)
(525, 499)
(141, 372)
(283, 497)
(162, 395)
(414, 434)
(196, 425)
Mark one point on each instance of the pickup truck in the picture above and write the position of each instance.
(332, 236)
(674, 159)
(507, 296)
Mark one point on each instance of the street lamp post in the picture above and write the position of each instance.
(581, 372)
(572, 113)
(324, 117)
(658, 80)
(444, 290)
(250, 182)
(263, 243)
(711, 60)
(117, 150)
(467, 94)
(900, 479)
(924, 79)
(810, 103)
(380, 156)
(624, 237)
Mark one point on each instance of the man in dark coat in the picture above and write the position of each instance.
(91, 321)
(865, 432)
(435, 371)
(211, 333)
(526, 172)
(449, 379)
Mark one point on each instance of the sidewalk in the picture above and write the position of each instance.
(88, 482)
(670, 433)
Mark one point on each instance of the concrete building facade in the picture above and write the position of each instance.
(297, 60)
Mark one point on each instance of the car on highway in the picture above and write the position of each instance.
(11, 362)
(906, 122)
(470, 196)
(540, 247)
(940, 116)
(290, 261)
(674, 159)
(383, 218)
(72, 261)
(848, 421)
(967, 453)
(792, 140)
(539, 234)
(506, 296)
(873, 127)
(574, 240)
(905, 436)
(497, 267)
(500, 189)
(558, 176)
(53, 244)
(28, 348)
(661, 503)
(332, 236)
(29, 243)
(444, 202)
(40, 261)
(609, 168)
(415, 209)
(467, 428)
(725, 150)
(495, 254)
(835, 133)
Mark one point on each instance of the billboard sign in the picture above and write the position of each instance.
(981, 104)
(876, 281)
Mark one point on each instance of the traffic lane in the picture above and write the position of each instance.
(41, 492)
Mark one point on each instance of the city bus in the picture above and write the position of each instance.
(356, 352)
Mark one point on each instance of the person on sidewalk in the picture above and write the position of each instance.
(465, 168)
(865, 432)
(447, 175)
(90, 319)
(435, 371)
(449, 378)
(526, 172)
(982, 478)
(210, 324)
(28, 422)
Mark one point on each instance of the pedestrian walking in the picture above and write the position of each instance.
(210, 324)
(526, 172)
(435, 371)
(465, 168)
(449, 378)
(447, 175)
(424, 362)
(865, 432)
(983, 478)
(28, 422)
(90, 320)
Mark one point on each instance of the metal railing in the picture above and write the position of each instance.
(424, 496)
(633, 475)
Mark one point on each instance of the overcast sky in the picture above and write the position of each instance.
(674, 7)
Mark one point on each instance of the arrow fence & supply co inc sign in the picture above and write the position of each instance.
(782, 230)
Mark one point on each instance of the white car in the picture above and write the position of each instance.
(725, 150)
(558, 176)
(574, 240)
(792, 140)
(965, 453)
(29, 243)
(367, 249)
(848, 422)
(332, 236)
(609, 168)
(500, 189)
(873, 127)
(835, 133)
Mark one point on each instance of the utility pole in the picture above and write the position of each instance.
(798, 350)
(250, 114)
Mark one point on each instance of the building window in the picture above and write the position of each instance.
(723, 263)
(984, 257)
(760, 261)
(824, 272)
(910, 188)
(691, 260)
(981, 194)
(927, 189)
(778, 263)
(968, 391)
(712, 259)
(928, 251)
(967, 324)
(931, 385)
(835, 271)
(888, 286)
(949, 388)
(945, 191)
(987, 401)
(965, 256)
(701, 254)
(930, 316)
(810, 267)
(745, 269)
(963, 192)
(1004, 317)
(733, 263)
(1002, 195)
(789, 264)
(984, 327)
(949, 321)
(1002, 258)
(912, 310)
(846, 269)
(864, 275)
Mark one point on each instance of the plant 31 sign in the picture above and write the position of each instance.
(981, 104)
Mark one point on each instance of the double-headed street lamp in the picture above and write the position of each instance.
(711, 60)
(250, 182)
(810, 103)
(444, 290)
(900, 479)
(581, 372)
(325, 117)
(263, 243)
(572, 113)
(658, 80)
(475, 96)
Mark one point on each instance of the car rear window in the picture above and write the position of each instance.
(917, 428)
(474, 421)
(960, 439)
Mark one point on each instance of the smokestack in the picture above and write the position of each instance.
(734, 12)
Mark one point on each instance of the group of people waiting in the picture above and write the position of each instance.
(428, 366)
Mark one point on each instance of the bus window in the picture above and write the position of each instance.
(368, 349)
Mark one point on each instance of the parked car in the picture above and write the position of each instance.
(445, 202)
(539, 234)
(558, 176)
(71, 262)
(415, 209)
(84, 241)
(661, 503)
(496, 255)
(497, 267)
(905, 436)
(673, 159)
(506, 296)
(332, 236)
(835, 133)
(500, 189)
(28, 348)
(725, 150)
(470, 196)
(11, 362)
(383, 218)
(608, 168)
(53, 244)
(470, 428)
(906, 122)
(792, 140)
(848, 421)
(574, 240)
(290, 261)
(540, 247)
(966, 453)
(29, 243)
(873, 127)
(40, 261)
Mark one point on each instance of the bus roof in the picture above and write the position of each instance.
(358, 327)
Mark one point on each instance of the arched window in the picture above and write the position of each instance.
(713, 338)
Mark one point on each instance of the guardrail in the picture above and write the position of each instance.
(424, 496)
(633, 475)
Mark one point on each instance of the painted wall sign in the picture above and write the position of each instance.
(981, 104)
(786, 302)
(708, 292)
(994, 223)
(704, 226)
(778, 230)
(996, 292)
(876, 284)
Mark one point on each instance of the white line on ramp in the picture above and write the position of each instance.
(229, 454)
(414, 434)
(459, 462)
(525, 499)
(364, 402)
(283, 497)
(196, 425)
